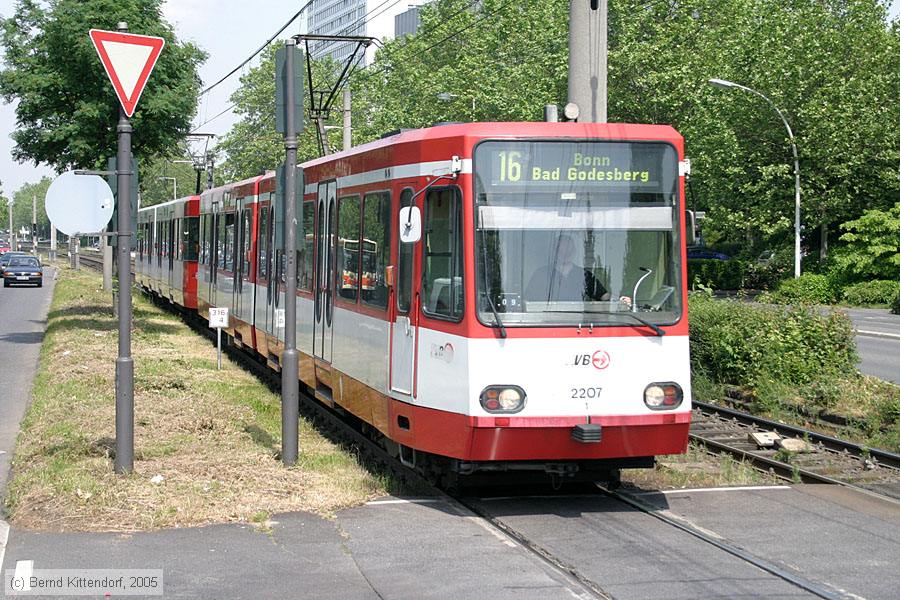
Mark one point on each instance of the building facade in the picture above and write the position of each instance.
(372, 18)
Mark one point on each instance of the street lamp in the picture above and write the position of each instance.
(174, 186)
(448, 96)
(727, 85)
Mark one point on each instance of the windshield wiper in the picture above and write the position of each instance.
(487, 293)
(652, 326)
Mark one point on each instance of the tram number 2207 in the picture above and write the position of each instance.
(588, 392)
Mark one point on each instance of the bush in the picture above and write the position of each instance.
(809, 288)
(718, 274)
(872, 292)
(750, 345)
(895, 304)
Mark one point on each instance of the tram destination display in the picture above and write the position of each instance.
(635, 166)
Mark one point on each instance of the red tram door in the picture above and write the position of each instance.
(325, 263)
(404, 326)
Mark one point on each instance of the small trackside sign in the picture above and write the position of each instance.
(128, 59)
(218, 318)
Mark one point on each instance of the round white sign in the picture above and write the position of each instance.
(79, 204)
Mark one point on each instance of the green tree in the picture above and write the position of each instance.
(253, 146)
(872, 249)
(156, 172)
(23, 200)
(833, 67)
(497, 60)
(67, 111)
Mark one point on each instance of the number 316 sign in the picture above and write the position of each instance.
(218, 318)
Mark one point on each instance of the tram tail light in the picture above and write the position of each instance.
(503, 398)
(663, 396)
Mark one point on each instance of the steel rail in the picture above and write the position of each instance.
(832, 443)
(345, 435)
(720, 543)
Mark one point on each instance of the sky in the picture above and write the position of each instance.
(228, 30)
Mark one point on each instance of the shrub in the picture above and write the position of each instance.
(879, 291)
(872, 246)
(809, 288)
(895, 304)
(718, 274)
(748, 345)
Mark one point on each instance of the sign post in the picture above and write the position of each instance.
(289, 121)
(218, 320)
(128, 60)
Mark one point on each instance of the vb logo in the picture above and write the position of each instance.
(599, 360)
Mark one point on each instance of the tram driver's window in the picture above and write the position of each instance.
(442, 293)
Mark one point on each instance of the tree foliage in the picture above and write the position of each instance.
(253, 146)
(67, 110)
(22, 207)
(872, 246)
(832, 67)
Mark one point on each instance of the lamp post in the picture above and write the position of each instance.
(174, 186)
(721, 83)
(449, 96)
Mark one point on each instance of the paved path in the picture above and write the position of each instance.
(837, 540)
(878, 342)
(23, 319)
(388, 549)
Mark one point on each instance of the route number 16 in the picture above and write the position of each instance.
(510, 167)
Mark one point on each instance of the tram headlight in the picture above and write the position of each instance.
(663, 396)
(503, 399)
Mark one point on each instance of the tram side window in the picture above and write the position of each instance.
(228, 246)
(220, 241)
(171, 235)
(405, 263)
(348, 248)
(263, 264)
(376, 248)
(246, 243)
(190, 227)
(442, 292)
(204, 240)
(306, 246)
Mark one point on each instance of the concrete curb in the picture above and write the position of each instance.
(877, 334)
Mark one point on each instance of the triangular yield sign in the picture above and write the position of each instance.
(128, 59)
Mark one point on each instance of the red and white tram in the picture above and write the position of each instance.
(532, 318)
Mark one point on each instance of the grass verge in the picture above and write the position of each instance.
(213, 436)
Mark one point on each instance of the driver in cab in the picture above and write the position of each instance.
(563, 280)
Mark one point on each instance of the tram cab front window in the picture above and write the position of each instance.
(565, 232)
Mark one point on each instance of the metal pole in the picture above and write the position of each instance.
(587, 59)
(124, 362)
(348, 142)
(34, 224)
(12, 239)
(77, 252)
(209, 170)
(730, 84)
(107, 264)
(290, 384)
(551, 113)
(219, 347)
(796, 203)
(52, 242)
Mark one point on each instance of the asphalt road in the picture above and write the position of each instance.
(23, 319)
(878, 342)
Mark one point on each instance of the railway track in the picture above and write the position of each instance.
(335, 426)
(818, 458)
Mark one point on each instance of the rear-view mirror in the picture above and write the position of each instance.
(410, 224)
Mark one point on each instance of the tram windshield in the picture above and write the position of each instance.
(577, 233)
